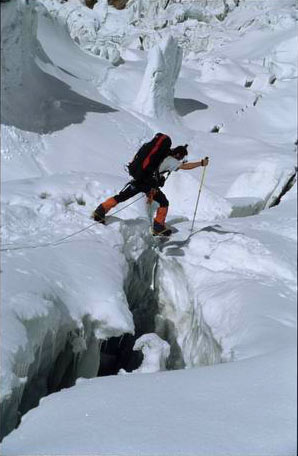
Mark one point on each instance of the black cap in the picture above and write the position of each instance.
(180, 150)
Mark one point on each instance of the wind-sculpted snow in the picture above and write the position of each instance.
(183, 190)
(155, 351)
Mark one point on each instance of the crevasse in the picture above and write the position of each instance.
(162, 301)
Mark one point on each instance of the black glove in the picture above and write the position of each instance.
(205, 161)
(154, 182)
(161, 181)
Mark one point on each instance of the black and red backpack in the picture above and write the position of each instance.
(149, 157)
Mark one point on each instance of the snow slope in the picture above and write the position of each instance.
(70, 121)
(214, 410)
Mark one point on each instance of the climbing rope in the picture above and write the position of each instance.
(61, 240)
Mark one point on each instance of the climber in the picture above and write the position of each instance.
(152, 161)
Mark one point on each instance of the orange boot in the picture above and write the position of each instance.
(159, 227)
(103, 208)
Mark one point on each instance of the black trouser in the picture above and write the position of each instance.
(134, 187)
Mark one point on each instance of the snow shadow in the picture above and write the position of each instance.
(44, 104)
(185, 106)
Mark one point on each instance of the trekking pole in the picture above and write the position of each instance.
(200, 189)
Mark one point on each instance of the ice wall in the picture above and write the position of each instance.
(156, 95)
(157, 10)
(84, 26)
(106, 32)
(18, 27)
(142, 9)
(181, 316)
(218, 7)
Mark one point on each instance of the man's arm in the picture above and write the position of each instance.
(192, 165)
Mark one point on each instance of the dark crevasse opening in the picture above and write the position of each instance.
(117, 353)
(289, 184)
(253, 206)
(142, 296)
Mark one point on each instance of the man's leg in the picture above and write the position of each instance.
(159, 226)
(129, 191)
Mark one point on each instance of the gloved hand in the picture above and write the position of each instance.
(161, 181)
(150, 195)
(205, 161)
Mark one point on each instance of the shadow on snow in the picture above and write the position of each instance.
(185, 106)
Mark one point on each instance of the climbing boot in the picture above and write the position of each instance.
(99, 214)
(161, 230)
(159, 227)
(102, 209)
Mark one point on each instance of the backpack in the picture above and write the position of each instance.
(149, 157)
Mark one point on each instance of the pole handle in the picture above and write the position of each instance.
(206, 158)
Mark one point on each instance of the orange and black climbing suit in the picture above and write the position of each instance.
(133, 188)
(144, 182)
(145, 186)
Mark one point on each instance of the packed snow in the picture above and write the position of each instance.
(213, 311)
(155, 351)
